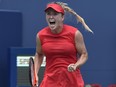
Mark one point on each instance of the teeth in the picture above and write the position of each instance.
(52, 21)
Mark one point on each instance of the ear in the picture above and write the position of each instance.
(62, 17)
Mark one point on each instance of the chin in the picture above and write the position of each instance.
(53, 28)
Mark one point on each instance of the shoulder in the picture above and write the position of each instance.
(78, 35)
(69, 27)
(71, 30)
(43, 30)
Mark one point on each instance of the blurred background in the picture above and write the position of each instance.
(20, 20)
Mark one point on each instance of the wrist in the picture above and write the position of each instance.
(77, 65)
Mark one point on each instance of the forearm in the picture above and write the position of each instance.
(38, 61)
(83, 58)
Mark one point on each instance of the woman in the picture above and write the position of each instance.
(64, 48)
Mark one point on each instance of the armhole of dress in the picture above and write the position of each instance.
(40, 38)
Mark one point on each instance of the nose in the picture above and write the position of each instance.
(51, 16)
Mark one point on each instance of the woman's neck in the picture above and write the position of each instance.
(57, 30)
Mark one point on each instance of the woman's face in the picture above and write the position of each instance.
(54, 19)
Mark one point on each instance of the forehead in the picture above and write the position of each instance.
(51, 10)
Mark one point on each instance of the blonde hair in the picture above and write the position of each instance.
(79, 18)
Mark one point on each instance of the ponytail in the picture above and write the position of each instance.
(79, 18)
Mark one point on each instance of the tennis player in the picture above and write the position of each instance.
(64, 48)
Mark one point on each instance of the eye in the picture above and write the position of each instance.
(53, 13)
(48, 13)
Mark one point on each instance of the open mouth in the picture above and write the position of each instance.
(52, 23)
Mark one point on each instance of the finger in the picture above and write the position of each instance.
(70, 69)
(36, 85)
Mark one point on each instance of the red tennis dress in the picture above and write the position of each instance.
(60, 51)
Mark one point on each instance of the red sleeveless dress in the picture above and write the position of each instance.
(60, 51)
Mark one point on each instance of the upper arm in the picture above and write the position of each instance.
(79, 42)
(38, 45)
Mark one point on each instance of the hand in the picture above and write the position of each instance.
(71, 67)
(35, 84)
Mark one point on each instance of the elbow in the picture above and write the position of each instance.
(85, 56)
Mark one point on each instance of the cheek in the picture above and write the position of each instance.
(47, 17)
(59, 20)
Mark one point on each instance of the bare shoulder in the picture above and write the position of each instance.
(37, 36)
(38, 44)
(79, 41)
(78, 35)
